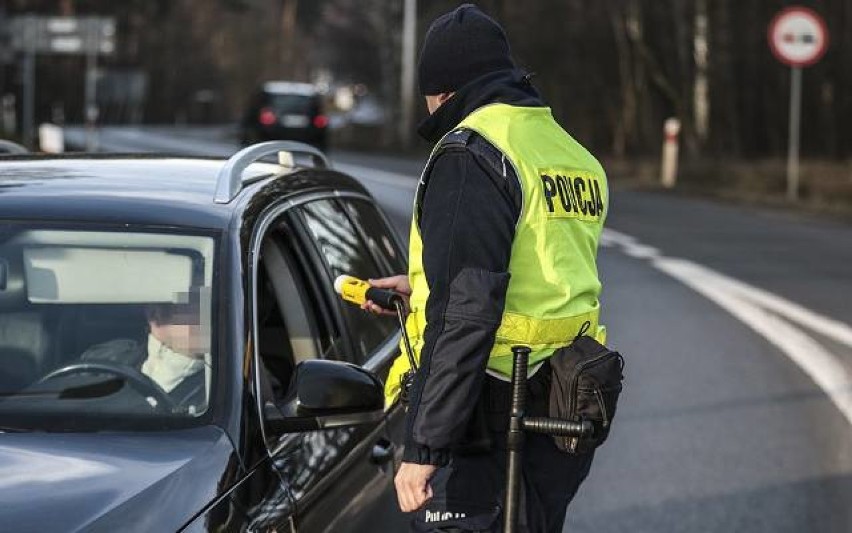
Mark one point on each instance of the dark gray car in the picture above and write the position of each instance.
(285, 427)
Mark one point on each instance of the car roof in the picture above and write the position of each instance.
(139, 189)
(290, 87)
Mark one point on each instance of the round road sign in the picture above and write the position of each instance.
(798, 36)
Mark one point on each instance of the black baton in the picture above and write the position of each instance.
(518, 423)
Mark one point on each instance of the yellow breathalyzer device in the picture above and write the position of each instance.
(359, 291)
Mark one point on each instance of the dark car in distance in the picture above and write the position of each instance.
(172, 353)
(285, 110)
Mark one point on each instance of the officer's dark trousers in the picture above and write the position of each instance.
(468, 493)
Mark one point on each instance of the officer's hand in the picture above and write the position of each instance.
(395, 283)
(412, 486)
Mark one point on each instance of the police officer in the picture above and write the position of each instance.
(503, 243)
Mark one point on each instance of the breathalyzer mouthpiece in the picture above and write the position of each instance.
(359, 291)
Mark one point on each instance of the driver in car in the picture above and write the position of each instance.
(173, 356)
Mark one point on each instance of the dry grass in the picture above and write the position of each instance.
(825, 186)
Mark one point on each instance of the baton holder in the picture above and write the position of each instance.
(519, 423)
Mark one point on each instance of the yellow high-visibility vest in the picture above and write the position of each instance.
(554, 286)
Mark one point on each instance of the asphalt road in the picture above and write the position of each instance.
(735, 323)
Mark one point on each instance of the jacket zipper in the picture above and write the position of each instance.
(602, 405)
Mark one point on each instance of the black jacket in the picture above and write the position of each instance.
(470, 205)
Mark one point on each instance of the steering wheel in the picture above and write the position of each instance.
(139, 381)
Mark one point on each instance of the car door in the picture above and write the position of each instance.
(346, 244)
(386, 247)
(337, 479)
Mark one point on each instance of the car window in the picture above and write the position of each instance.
(296, 104)
(345, 252)
(377, 234)
(290, 327)
(104, 329)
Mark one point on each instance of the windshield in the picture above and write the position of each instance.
(296, 104)
(103, 329)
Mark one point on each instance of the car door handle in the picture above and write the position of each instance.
(382, 452)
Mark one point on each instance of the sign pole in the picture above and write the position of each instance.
(795, 120)
(798, 37)
(28, 117)
(406, 100)
(90, 106)
(28, 48)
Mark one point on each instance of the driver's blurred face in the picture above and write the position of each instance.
(178, 326)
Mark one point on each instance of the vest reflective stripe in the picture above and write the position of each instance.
(542, 331)
(554, 286)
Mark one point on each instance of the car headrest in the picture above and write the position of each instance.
(12, 289)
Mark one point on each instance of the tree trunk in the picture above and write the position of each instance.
(624, 123)
(289, 10)
(701, 92)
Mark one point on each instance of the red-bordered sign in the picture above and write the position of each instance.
(798, 36)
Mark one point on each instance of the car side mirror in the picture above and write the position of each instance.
(328, 394)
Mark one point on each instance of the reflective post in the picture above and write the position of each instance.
(671, 130)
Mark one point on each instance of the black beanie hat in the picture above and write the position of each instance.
(459, 47)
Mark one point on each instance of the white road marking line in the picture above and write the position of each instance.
(640, 251)
(613, 237)
(822, 324)
(817, 362)
(762, 311)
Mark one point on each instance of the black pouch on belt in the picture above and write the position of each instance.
(586, 383)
